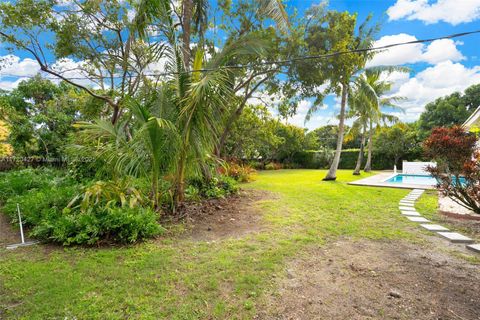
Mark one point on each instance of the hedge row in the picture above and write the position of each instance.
(348, 159)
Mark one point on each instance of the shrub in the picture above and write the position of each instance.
(257, 165)
(239, 172)
(36, 205)
(218, 187)
(14, 183)
(123, 225)
(120, 192)
(103, 211)
(273, 166)
(457, 158)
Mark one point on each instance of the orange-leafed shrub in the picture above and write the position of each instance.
(239, 172)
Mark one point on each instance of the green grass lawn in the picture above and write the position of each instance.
(178, 278)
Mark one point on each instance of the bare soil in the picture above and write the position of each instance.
(8, 235)
(376, 280)
(232, 217)
(468, 225)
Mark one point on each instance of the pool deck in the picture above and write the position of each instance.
(378, 180)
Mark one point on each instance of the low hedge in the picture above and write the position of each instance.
(310, 159)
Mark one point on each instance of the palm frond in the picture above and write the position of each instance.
(276, 11)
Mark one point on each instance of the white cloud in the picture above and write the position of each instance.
(450, 11)
(396, 78)
(10, 84)
(442, 50)
(432, 83)
(397, 55)
(11, 65)
(435, 52)
(315, 121)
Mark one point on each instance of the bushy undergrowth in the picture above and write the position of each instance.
(123, 225)
(239, 172)
(57, 208)
(100, 211)
(218, 187)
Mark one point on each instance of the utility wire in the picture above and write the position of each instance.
(273, 62)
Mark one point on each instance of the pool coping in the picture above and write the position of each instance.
(379, 180)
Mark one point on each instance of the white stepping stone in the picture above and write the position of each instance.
(409, 199)
(406, 208)
(434, 227)
(406, 204)
(474, 247)
(455, 237)
(411, 213)
(418, 219)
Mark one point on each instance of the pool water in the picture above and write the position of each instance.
(424, 180)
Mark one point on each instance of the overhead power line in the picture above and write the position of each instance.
(275, 62)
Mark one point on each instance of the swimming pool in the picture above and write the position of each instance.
(424, 180)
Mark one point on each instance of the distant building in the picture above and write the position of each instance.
(473, 122)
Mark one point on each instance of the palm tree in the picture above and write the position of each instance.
(199, 97)
(359, 110)
(367, 102)
(174, 131)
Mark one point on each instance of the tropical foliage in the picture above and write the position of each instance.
(457, 171)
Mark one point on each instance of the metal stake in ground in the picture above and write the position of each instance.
(23, 244)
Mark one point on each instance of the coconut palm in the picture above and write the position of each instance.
(367, 102)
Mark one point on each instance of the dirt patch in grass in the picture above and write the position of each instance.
(472, 227)
(232, 217)
(8, 234)
(376, 280)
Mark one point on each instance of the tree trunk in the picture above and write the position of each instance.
(356, 172)
(228, 126)
(186, 26)
(155, 195)
(115, 114)
(368, 165)
(332, 172)
(234, 116)
(180, 180)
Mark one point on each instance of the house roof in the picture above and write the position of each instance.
(473, 119)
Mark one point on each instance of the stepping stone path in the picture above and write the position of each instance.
(407, 207)
(455, 237)
(433, 227)
(474, 247)
(418, 219)
(410, 213)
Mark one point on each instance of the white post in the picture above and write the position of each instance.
(395, 168)
(20, 222)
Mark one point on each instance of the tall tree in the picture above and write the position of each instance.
(367, 102)
(329, 32)
(374, 87)
(450, 110)
(397, 141)
(89, 44)
(41, 113)
(252, 17)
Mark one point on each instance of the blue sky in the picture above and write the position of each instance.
(438, 68)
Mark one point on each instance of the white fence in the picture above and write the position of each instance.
(416, 167)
